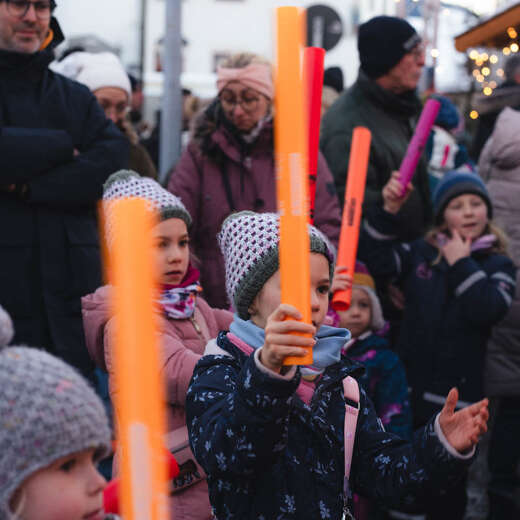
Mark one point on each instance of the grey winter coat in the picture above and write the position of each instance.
(499, 166)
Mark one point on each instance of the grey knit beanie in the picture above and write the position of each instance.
(127, 183)
(47, 411)
(249, 243)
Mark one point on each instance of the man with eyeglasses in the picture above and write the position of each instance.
(383, 99)
(56, 150)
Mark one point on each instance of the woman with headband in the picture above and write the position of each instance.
(228, 166)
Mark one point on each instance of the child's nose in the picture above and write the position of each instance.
(96, 482)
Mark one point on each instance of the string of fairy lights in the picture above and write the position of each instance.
(487, 71)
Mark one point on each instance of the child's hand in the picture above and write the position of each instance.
(341, 281)
(464, 428)
(279, 343)
(393, 196)
(456, 247)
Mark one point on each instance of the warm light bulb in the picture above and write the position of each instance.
(511, 31)
(480, 78)
(435, 53)
(506, 51)
(484, 56)
(500, 73)
(473, 114)
(486, 71)
(493, 58)
(514, 47)
(473, 54)
(488, 91)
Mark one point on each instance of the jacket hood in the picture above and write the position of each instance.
(96, 314)
(507, 95)
(504, 147)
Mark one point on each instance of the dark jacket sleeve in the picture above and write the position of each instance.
(185, 183)
(485, 296)
(327, 217)
(379, 247)
(336, 151)
(397, 473)
(236, 418)
(102, 151)
(29, 152)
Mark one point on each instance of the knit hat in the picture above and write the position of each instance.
(333, 77)
(455, 183)
(249, 242)
(363, 280)
(382, 42)
(126, 184)
(47, 411)
(95, 70)
(448, 116)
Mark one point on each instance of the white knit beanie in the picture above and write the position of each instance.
(249, 243)
(95, 70)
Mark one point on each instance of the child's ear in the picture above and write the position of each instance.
(253, 308)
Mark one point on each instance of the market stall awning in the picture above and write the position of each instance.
(492, 32)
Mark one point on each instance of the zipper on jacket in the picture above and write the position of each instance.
(196, 326)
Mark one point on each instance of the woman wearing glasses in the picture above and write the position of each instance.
(228, 165)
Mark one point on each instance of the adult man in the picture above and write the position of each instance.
(383, 99)
(56, 150)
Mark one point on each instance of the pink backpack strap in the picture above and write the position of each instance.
(351, 393)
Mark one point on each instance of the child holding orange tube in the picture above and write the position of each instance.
(187, 323)
(271, 437)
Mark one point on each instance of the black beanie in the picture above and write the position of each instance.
(382, 42)
(333, 77)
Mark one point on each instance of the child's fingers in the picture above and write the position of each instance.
(283, 311)
(289, 340)
(284, 351)
(340, 269)
(288, 326)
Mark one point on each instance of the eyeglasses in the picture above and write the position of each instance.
(229, 102)
(418, 51)
(19, 8)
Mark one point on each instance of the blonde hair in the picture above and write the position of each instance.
(500, 247)
(242, 59)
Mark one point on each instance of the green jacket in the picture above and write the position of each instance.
(391, 119)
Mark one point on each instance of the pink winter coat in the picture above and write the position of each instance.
(182, 347)
(218, 174)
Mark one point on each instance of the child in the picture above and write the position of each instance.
(271, 437)
(53, 432)
(458, 283)
(187, 323)
(384, 379)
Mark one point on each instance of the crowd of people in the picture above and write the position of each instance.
(404, 385)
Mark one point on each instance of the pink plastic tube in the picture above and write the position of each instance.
(418, 142)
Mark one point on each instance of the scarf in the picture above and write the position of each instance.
(481, 243)
(178, 301)
(326, 351)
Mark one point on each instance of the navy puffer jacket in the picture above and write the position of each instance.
(270, 456)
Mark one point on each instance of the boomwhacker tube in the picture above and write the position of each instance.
(291, 164)
(313, 68)
(140, 395)
(418, 142)
(351, 220)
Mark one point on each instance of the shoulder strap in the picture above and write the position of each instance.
(351, 393)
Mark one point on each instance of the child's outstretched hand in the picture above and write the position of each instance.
(341, 281)
(464, 428)
(456, 247)
(279, 342)
(393, 196)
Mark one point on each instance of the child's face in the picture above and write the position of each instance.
(172, 245)
(268, 299)
(358, 317)
(69, 489)
(467, 214)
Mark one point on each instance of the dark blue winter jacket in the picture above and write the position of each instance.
(449, 310)
(270, 456)
(384, 381)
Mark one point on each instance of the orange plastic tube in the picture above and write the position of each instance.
(313, 68)
(140, 396)
(354, 195)
(291, 166)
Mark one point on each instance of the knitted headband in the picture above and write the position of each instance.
(257, 76)
(249, 243)
(47, 411)
(363, 280)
